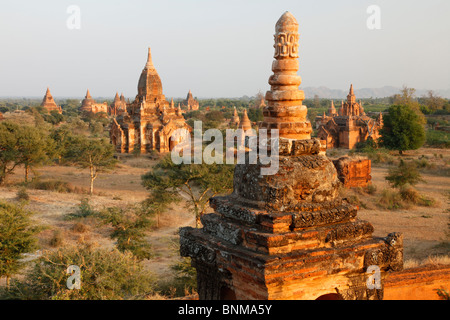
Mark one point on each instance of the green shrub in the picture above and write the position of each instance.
(391, 200)
(438, 139)
(370, 189)
(22, 194)
(105, 274)
(84, 210)
(51, 185)
(405, 173)
(57, 239)
(184, 282)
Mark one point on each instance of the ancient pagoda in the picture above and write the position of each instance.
(118, 105)
(190, 104)
(49, 104)
(150, 121)
(89, 105)
(349, 126)
(288, 235)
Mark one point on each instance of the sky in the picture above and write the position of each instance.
(218, 48)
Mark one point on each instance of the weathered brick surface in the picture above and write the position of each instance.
(353, 172)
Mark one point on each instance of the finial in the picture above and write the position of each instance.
(149, 59)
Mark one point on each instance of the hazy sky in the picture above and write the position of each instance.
(218, 48)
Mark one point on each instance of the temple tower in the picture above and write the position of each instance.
(284, 110)
(245, 123)
(287, 235)
(49, 104)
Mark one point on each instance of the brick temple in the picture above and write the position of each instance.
(49, 103)
(89, 105)
(150, 121)
(190, 104)
(348, 126)
(288, 235)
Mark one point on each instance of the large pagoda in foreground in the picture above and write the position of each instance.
(288, 235)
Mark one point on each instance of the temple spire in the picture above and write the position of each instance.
(149, 59)
(88, 95)
(285, 110)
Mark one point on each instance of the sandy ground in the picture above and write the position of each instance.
(425, 229)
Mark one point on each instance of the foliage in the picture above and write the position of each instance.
(17, 236)
(105, 274)
(438, 139)
(255, 114)
(34, 146)
(184, 283)
(9, 152)
(22, 194)
(198, 182)
(402, 129)
(22, 145)
(129, 226)
(405, 173)
(407, 98)
(84, 210)
(97, 155)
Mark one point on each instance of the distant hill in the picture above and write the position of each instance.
(363, 93)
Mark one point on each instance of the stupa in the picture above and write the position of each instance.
(288, 235)
(49, 104)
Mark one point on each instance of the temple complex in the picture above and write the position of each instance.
(90, 105)
(288, 235)
(150, 120)
(118, 106)
(49, 104)
(349, 126)
(190, 103)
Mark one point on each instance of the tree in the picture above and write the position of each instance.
(197, 182)
(9, 152)
(16, 238)
(433, 101)
(405, 173)
(129, 226)
(407, 98)
(34, 147)
(402, 129)
(97, 155)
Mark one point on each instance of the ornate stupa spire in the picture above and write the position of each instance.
(284, 110)
(332, 109)
(149, 63)
(351, 98)
(235, 119)
(88, 94)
